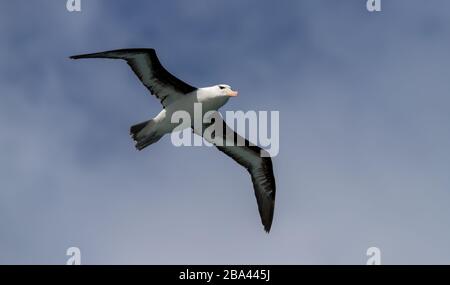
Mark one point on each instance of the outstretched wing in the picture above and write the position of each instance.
(146, 65)
(256, 160)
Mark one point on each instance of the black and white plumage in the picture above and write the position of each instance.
(145, 64)
(174, 94)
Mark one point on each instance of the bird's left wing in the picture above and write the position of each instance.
(146, 65)
(256, 160)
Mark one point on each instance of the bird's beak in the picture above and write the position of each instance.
(232, 93)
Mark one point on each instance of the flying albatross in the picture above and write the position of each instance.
(174, 95)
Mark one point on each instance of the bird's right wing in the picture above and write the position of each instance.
(146, 65)
(256, 160)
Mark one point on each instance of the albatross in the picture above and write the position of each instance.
(175, 95)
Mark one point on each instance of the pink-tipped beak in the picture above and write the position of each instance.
(232, 93)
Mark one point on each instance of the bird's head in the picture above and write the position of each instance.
(225, 90)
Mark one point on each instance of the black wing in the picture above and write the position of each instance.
(146, 65)
(256, 160)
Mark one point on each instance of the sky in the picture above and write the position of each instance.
(364, 152)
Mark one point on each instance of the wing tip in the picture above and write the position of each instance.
(78, 56)
(114, 53)
(267, 214)
(268, 224)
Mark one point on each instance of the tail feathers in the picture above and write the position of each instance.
(134, 130)
(146, 141)
(143, 134)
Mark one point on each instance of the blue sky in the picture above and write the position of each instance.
(363, 101)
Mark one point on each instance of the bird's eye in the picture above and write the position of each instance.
(222, 87)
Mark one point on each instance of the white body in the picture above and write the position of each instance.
(207, 96)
